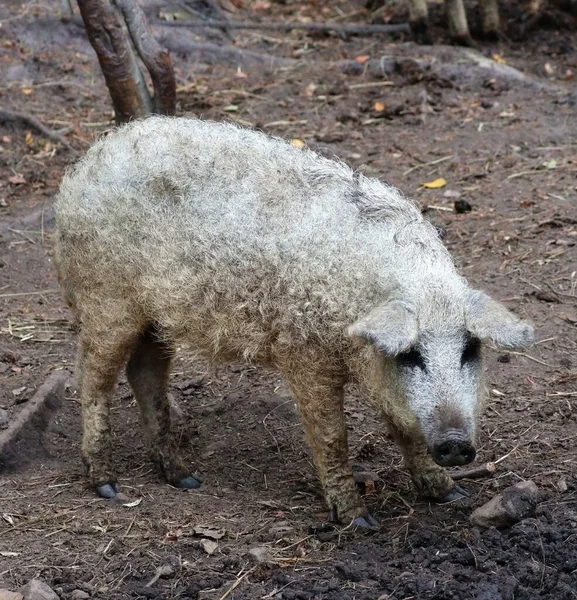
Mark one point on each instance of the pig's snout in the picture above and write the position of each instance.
(453, 452)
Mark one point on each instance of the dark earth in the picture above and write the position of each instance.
(503, 137)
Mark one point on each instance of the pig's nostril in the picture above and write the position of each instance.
(453, 453)
(442, 452)
(468, 453)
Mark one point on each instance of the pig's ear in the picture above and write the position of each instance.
(488, 319)
(391, 328)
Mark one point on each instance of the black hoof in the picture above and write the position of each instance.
(366, 522)
(456, 493)
(189, 483)
(108, 490)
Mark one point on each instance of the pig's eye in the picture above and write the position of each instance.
(411, 359)
(471, 352)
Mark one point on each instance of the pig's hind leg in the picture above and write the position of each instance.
(147, 372)
(103, 350)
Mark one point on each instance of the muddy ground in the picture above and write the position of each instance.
(504, 141)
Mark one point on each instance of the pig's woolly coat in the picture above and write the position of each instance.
(239, 243)
(244, 247)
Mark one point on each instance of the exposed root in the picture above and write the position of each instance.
(9, 116)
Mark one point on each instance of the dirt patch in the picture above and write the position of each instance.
(506, 147)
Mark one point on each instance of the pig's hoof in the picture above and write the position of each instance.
(189, 483)
(366, 522)
(108, 490)
(456, 493)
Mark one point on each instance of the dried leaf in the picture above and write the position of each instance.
(8, 518)
(370, 487)
(231, 108)
(297, 143)
(362, 59)
(499, 59)
(310, 90)
(210, 532)
(379, 106)
(550, 164)
(173, 535)
(268, 503)
(16, 180)
(435, 184)
(29, 139)
(133, 503)
(26, 91)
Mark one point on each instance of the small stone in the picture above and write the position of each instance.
(6, 595)
(514, 504)
(462, 206)
(260, 554)
(562, 486)
(36, 589)
(79, 595)
(4, 417)
(209, 546)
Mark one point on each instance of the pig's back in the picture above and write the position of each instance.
(202, 220)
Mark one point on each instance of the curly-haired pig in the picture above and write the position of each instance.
(174, 230)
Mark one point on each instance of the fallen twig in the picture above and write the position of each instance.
(328, 27)
(506, 455)
(213, 53)
(11, 116)
(428, 164)
(15, 294)
(540, 362)
(475, 472)
(482, 470)
(237, 583)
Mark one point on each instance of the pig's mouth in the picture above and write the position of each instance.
(453, 452)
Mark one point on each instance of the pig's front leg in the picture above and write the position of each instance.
(320, 402)
(431, 480)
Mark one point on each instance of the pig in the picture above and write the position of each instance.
(249, 249)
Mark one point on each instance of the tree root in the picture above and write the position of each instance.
(316, 27)
(9, 116)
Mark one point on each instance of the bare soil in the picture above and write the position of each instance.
(505, 144)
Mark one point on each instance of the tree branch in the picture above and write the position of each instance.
(320, 27)
(155, 58)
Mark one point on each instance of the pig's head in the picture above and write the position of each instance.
(431, 365)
